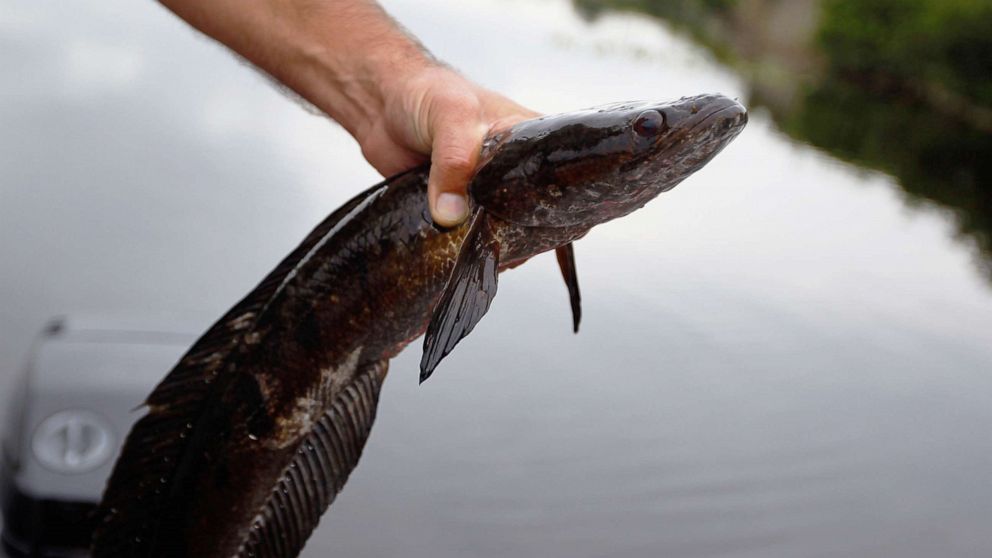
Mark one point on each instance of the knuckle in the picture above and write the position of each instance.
(458, 97)
(457, 105)
(460, 162)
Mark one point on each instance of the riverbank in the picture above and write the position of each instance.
(901, 86)
(936, 51)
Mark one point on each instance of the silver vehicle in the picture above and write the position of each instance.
(69, 413)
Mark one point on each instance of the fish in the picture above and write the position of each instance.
(247, 441)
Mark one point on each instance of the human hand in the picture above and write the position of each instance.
(352, 61)
(437, 113)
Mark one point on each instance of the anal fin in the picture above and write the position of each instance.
(148, 482)
(318, 471)
(566, 261)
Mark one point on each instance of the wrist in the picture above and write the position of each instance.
(384, 80)
(353, 86)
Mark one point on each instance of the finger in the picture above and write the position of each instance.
(454, 155)
(387, 157)
(395, 161)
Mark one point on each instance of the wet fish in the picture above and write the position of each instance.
(249, 438)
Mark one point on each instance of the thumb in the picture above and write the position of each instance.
(454, 155)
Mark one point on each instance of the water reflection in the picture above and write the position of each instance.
(778, 359)
(935, 157)
(893, 86)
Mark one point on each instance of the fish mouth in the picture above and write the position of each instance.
(704, 123)
(728, 112)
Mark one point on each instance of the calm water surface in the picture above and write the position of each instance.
(781, 357)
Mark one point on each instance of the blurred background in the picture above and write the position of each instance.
(790, 354)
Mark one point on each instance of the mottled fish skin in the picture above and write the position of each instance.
(586, 167)
(361, 292)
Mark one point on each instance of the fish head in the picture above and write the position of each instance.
(588, 167)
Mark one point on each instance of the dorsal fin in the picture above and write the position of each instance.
(138, 489)
(318, 471)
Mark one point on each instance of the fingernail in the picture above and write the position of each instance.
(451, 208)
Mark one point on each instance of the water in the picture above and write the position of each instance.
(780, 357)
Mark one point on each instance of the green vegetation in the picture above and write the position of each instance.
(903, 86)
(680, 11)
(908, 90)
(697, 17)
(911, 44)
(935, 157)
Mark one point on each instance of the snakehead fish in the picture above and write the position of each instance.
(249, 438)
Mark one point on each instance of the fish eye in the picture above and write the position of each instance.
(649, 123)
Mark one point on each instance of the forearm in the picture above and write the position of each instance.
(352, 61)
(310, 46)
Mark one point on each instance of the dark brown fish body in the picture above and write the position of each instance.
(250, 437)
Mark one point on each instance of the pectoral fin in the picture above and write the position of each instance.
(467, 295)
(566, 261)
